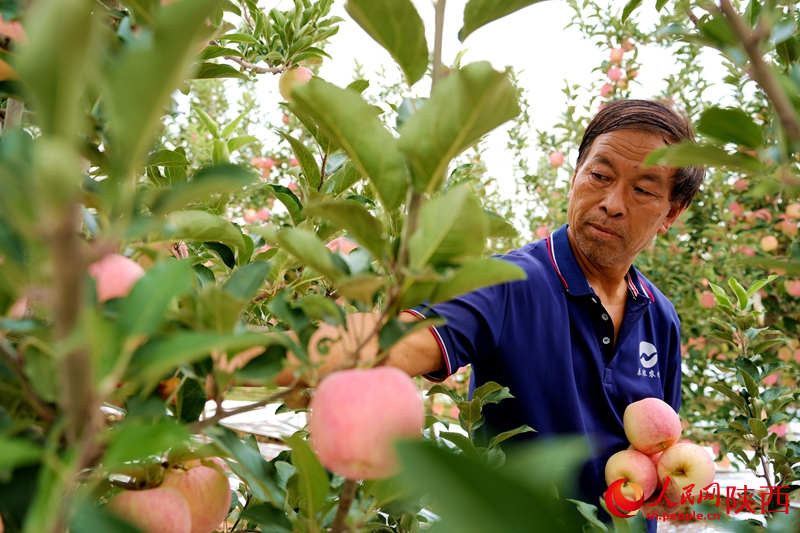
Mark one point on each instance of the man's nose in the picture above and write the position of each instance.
(613, 203)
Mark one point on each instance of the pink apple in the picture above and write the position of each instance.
(632, 74)
(651, 425)
(740, 184)
(707, 299)
(263, 214)
(542, 232)
(736, 209)
(17, 311)
(778, 429)
(770, 380)
(250, 216)
(606, 89)
(205, 489)
(341, 244)
(627, 45)
(793, 287)
(788, 228)
(285, 119)
(114, 276)
(356, 415)
(556, 159)
(614, 73)
(293, 162)
(616, 55)
(793, 211)
(685, 463)
(292, 78)
(12, 30)
(634, 466)
(159, 510)
(769, 243)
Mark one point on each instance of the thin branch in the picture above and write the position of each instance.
(345, 501)
(255, 68)
(14, 364)
(221, 414)
(761, 71)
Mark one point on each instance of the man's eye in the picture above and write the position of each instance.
(597, 176)
(642, 191)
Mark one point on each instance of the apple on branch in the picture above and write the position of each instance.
(158, 510)
(205, 489)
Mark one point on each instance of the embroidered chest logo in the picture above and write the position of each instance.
(648, 357)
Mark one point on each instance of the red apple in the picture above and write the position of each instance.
(769, 243)
(293, 78)
(250, 216)
(159, 510)
(614, 73)
(356, 415)
(707, 299)
(114, 276)
(793, 211)
(793, 287)
(205, 489)
(740, 184)
(634, 466)
(616, 55)
(686, 464)
(606, 89)
(263, 214)
(285, 119)
(651, 425)
(556, 159)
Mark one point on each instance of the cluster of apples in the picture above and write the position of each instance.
(356, 416)
(193, 498)
(653, 429)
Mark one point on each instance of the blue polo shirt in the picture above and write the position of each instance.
(549, 339)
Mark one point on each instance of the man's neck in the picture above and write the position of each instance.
(608, 282)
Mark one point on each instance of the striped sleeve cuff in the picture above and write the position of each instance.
(448, 368)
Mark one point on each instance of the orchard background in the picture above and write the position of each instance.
(135, 128)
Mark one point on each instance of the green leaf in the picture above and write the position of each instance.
(193, 225)
(245, 280)
(467, 104)
(217, 179)
(687, 154)
(158, 356)
(319, 307)
(721, 296)
(218, 70)
(270, 518)
(352, 122)
(478, 13)
(341, 180)
(758, 428)
(499, 226)
(629, 8)
(396, 26)
(91, 518)
(497, 500)
(451, 228)
(168, 158)
(238, 142)
(462, 442)
(220, 153)
(313, 480)
(224, 253)
(730, 125)
(264, 367)
(361, 288)
(306, 160)
(191, 400)
(16, 452)
(211, 125)
(139, 439)
(589, 513)
(758, 285)
(353, 217)
(474, 274)
(289, 200)
(54, 64)
(738, 290)
(730, 393)
(250, 466)
(142, 78)
(309, 250)
(143, 309)
(505, 435)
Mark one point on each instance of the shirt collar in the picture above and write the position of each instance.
(573, 278)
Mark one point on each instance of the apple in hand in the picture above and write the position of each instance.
(205, 489)
(686, 464)
(114, 276)
(158, 510)
(292, 78)
(356, 415)
(651, 425)
(634, 466)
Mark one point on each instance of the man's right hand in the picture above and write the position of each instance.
(416, 353)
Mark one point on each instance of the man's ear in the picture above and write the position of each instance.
(675, 211)
(572, 184)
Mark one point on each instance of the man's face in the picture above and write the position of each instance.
(616, 206)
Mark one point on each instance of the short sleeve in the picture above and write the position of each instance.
(472, 330)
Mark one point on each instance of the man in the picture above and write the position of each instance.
(586, 333)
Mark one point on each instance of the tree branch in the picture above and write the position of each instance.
(345, 501)
(255, 68)
(221, 414)
(437, 43)
(15, 365)
(761, 71)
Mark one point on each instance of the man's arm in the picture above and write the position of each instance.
(417, 353)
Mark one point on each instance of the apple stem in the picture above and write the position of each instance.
(345, 501)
